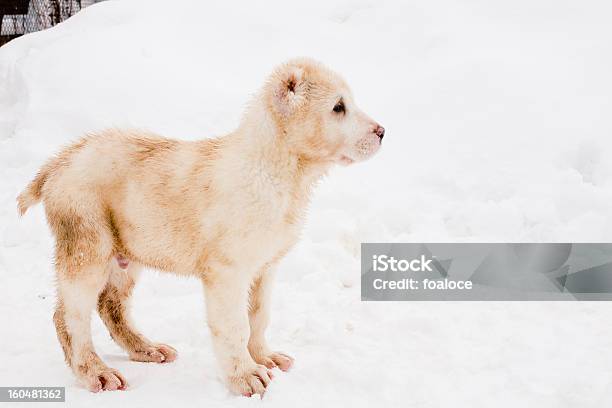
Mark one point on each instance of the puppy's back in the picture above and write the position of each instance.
(96, 162)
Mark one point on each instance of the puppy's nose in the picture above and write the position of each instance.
(380, 132)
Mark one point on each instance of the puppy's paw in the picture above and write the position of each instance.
(275, 359)
(156, 353)
(106, 379)
(252, 381)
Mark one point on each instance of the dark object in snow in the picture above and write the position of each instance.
(14, 7)
(19, 17)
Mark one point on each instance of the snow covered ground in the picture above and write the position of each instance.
(498, 129)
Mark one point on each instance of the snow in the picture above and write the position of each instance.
(498, 129)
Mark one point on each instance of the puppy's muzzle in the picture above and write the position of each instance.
(380, 132)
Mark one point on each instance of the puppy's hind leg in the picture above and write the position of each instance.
(77, 295)
(83, 247)
(114, 309)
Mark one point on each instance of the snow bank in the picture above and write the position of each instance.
(498, 129)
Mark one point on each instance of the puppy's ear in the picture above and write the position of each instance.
(289, 90)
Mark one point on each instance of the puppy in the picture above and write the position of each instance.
(225, 210)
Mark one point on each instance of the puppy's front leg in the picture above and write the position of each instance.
(259, 317)
(226, 303)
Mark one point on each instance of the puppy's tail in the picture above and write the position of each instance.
(33, 192)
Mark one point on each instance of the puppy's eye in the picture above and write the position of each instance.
(339, 107)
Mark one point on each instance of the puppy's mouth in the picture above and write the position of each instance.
(362, 150)
(345, 160)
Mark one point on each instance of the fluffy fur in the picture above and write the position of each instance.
(224, 210)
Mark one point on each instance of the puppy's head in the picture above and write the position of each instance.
(317, 115)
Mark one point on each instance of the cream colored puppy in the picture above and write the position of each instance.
(224, 210)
